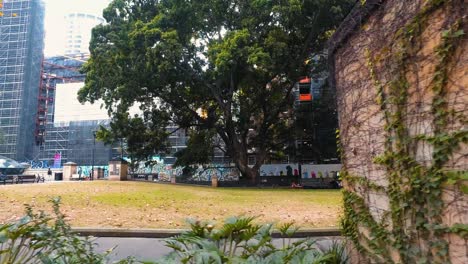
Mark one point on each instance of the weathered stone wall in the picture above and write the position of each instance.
(362, 120)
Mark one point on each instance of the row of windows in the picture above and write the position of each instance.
(9, 76)
(15, 12)
(8, 121)
(9, 20)
(12, 61)
(16, 4)
(12, 53)
(5, 78)
(16, 41)
(8, 37)
(8, 87)
(10, 99)
(76, 39)
(13, 70)
(11, 84)
(75, 51)
(71, 36)
(10, 112)
(80, 15)
(7, 41)
(9, 104)
(17, 57)
(14, 28)
(74, 46)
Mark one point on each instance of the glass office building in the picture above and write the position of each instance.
(21, 49)
(78, 32)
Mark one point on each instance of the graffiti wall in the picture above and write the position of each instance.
(222, 172)
(320, 171)
(279, 170)
(86, 170)
(164, 172)
(38, 164)
(307, 170)
(229, 173)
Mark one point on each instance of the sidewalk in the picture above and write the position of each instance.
(149, 244)
(150, 249)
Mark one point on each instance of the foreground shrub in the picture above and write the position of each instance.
(40, 238)
(240, 240)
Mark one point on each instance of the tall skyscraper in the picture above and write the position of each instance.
(21, 49)
(78, 32)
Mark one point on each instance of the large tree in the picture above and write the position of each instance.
(224, 68)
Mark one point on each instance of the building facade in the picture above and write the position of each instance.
(66, 130)
(21, 48)
(68, 125)
(78, 32)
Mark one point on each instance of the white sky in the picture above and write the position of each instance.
(55, 20)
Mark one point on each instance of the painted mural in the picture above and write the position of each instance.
(163, 172)
(279, 170)
(307, 170)
(38, 164)
(224, 173)
(86, 170)
(320, 171)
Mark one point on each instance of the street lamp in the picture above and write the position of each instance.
(94, 146)
(121, 149)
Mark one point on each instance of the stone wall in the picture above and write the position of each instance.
(365, 54)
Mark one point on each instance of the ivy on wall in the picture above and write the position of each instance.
(413, 228)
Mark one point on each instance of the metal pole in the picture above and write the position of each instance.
(94, 146)
(121, 149)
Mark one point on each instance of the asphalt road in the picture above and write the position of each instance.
(154, 248)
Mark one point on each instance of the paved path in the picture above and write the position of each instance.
(141, 248)
(154, 248)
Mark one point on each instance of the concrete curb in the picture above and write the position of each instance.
(165, 233)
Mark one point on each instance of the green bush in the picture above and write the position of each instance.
(39, 238)
(240, 240)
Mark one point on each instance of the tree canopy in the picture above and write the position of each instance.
(218, 68)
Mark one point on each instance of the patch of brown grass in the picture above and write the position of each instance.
(149, 205)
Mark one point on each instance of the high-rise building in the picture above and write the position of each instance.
(78, 32)
(21, 49)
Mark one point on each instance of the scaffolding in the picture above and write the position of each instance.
(21, 47)
(53, 138)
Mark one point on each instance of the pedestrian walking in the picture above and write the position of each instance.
(49, 174)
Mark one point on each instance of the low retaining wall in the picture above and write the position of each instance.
(166, 233)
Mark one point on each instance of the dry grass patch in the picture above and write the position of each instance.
(148, 205)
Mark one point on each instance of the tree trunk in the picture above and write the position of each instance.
(238, 151)
(249, 173)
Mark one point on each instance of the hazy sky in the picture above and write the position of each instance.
(55, 20)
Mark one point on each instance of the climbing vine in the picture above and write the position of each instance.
(413, 226)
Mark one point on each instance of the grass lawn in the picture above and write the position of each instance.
(149, 205)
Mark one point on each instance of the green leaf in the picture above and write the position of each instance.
(464, 188)
(458, 33)
(3, 236)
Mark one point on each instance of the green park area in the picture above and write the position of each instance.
(149, 205)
